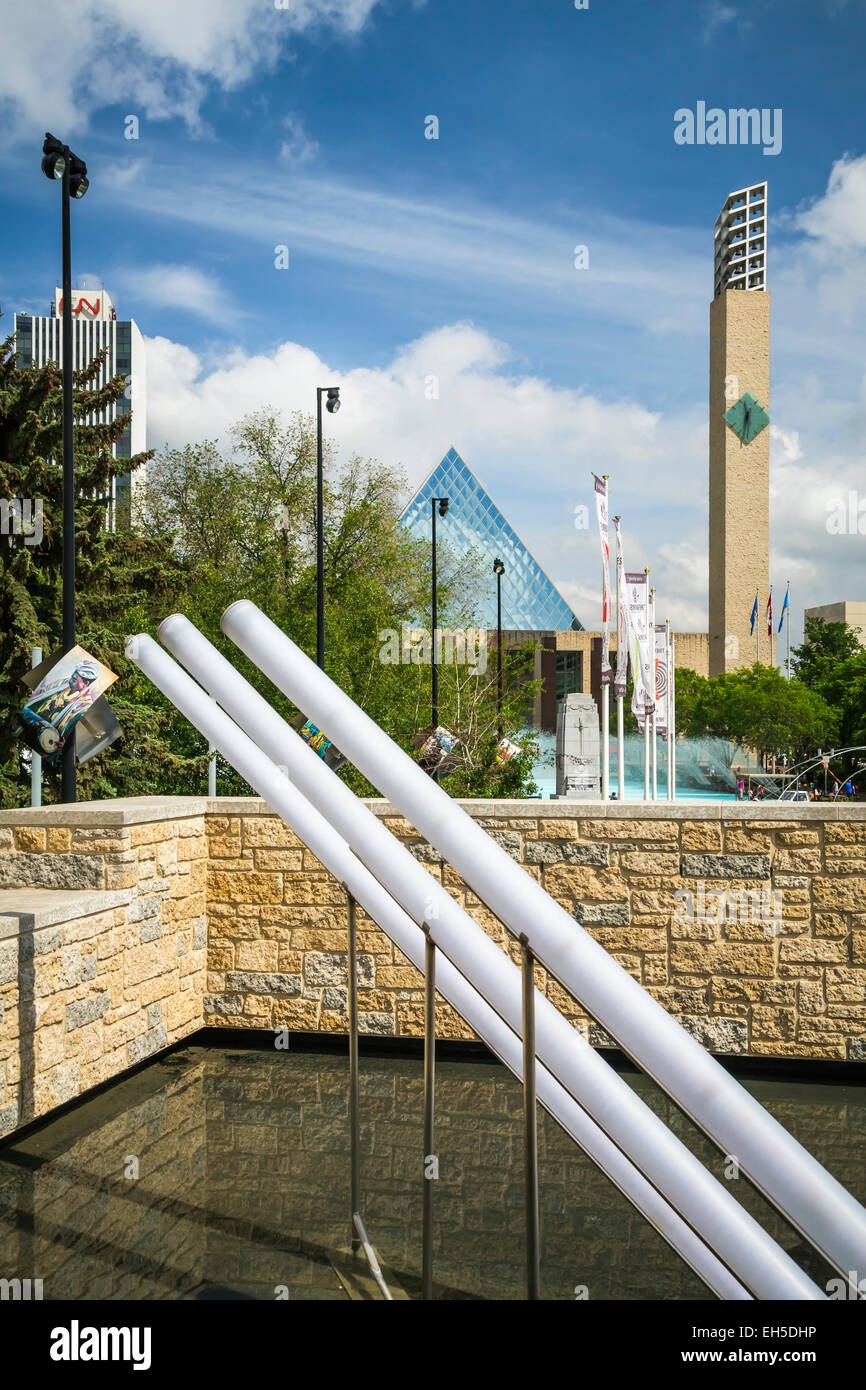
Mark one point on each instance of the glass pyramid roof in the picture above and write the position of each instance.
(530, 602)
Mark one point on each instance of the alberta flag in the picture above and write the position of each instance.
(754, 617)
(784, 606)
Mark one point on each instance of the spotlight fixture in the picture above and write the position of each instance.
(443, 506)
(54, 157)
(78, 180)
(498, 567)
(333, 402)
(57, 158)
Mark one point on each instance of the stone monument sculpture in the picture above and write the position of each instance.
(578, 736)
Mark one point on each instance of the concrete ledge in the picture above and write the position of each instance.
(127, 810)
(138, 810)
(31, 909)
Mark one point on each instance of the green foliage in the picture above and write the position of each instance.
(244, 525)
(832, 663)
(756, 708)
(118, 574)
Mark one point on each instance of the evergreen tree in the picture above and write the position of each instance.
(120, 575)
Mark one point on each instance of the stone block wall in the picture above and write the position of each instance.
(769, 959)
(103, 935)
(185, 912)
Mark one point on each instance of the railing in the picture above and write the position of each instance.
(694, 1213)
(671, 1169)
(818, 1205)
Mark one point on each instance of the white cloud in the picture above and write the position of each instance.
(837, 220)
(788, 442)
(60, 60)
(716, 16)
(533, 445)
(298, 147)
(652, 277)
(177, 287)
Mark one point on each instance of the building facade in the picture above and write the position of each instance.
(530, 600)
(740, 236)
(567, 658)
(850, 611)
(95, 326)
(739, 438)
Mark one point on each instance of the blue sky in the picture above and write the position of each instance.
(412, 258)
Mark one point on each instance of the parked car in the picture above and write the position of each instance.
(794, 795)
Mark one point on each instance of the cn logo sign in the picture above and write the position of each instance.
(81, 305)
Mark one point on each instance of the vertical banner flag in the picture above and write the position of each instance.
(601, 513)
(661, 654)
(649, 654)
(754, 617)
(621, 680)
(785, 606)
(770, 613)
(636, 596)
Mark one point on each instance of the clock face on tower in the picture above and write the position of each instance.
(747, 417)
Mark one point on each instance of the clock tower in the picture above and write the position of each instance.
(739, 438)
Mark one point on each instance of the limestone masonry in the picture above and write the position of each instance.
(130, 924)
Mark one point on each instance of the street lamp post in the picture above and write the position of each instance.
(59, 162)
(333, 405)
(442, 509)
(498, 570)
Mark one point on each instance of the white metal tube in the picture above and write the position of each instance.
(811, 1198)
(273, 783)
(605, 1095)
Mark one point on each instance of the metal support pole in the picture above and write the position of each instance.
(605, 743)
(530, 1126)
(354, 1078)
(620, 728)
(669, 795)
(620, 749)
(788, 632)
(430, 1173)
(67, 756)
(35, 758)
(211, 771)
(499, 654)
(655, 746)
(320, 538)
(672, 722)
(434, 667)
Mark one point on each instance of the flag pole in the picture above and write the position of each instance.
(646, 721)
(672, 722)
(605, 743)
(770, 623)
(788, 627)
(670, 786)
(605, 688)
(620, 723)
(654, 737)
